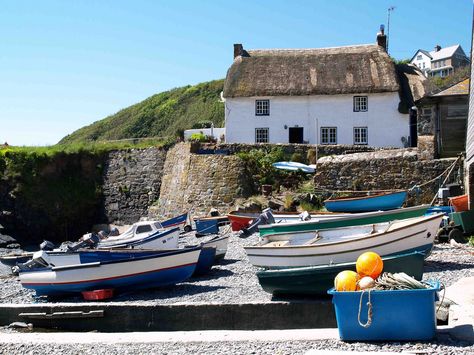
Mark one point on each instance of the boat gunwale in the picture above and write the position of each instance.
(350, 216)
(118, 261)
(380, 194)
(370, 236)
(311, 268)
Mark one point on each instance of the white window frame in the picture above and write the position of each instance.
(361, 103)
(328, 135)
(262, 107)
(259, 138)
(358, 136)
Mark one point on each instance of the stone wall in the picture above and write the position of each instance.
(383, 170)
(323, 150)
(197, 183)
(132, 181)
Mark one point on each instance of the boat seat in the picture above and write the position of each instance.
(278, 243)
(316, 238)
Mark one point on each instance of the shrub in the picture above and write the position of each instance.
(198, 137)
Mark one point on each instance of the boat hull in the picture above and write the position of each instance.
(205, 261)
(142, 272)
(382, 202)
(220, 243)
(317, 280)
(163, 239)
(408, 236)
(346, 221)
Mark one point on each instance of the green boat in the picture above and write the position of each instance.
(316, 280)
(356, 219)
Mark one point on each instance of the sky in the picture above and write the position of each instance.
(67, 64)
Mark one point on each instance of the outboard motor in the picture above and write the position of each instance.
(40, 259)
(266, 217)
(89, 240)
(46, 245)
(304, 216)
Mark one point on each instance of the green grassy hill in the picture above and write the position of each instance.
(161, 115)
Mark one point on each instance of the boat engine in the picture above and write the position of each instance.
(266, 217)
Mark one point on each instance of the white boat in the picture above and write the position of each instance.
(294, 166)
(143, 235)
(144, 271)
(340, 245)
(218, 242)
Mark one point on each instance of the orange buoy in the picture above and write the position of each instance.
(346, 281)
(369, 264)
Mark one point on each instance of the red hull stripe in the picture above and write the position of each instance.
(107, 278)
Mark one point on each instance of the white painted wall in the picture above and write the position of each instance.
(424, 63)
(385, 124)
(215, 132)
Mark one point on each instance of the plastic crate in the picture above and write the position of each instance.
(98, 295)
(396, 315)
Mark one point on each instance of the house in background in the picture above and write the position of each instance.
(444, 117)
(441, 61)
(341, 95)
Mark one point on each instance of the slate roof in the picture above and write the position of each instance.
(461, 88)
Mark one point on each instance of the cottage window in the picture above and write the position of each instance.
(328, 135)
(261, 135)
(262, 107)
(360, 135)
(419, 57)
(360, 103)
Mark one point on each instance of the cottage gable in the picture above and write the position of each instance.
(323, 71)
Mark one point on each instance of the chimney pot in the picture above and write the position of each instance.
(382, 38)
(437, 48)
(238, 49)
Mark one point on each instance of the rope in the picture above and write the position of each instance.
(442, 299)
(369, 311)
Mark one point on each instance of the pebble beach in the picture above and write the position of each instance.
(234, 281)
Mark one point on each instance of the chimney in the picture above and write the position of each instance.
(437, 48)
(238, 49)
(382, 38)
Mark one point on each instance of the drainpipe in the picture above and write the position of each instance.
(438, 130)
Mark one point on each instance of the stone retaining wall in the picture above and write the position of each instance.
(197, 183)
(132, 181)
(323, 150)
(383, 170)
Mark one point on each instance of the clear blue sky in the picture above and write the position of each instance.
(66, 64)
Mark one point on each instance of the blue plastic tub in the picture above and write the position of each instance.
(396, 315)
(207, 226)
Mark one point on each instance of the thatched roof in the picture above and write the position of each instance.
(324, 71)
(412, 85)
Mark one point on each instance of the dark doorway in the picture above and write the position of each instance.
(413, 127)
(296, 135)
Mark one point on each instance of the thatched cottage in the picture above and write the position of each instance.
(340, 95)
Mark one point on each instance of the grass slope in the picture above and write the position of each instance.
(161, 115)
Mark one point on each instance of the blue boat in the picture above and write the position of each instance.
(175, 221)
(139, 272)
(205, 261)
(382, 201)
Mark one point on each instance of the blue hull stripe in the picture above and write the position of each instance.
(162, 277)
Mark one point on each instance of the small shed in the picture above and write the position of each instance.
(444, 115)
